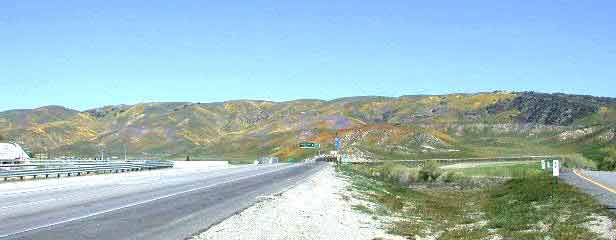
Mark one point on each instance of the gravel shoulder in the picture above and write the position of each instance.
(313, 209)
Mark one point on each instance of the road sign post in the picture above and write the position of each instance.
(337, 143)
(309, 145)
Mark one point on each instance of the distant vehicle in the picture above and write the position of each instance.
(12, 153)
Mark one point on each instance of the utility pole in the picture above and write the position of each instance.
(125, 158)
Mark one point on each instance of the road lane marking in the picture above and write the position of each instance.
(115, 186)
(66, 183)
(142, 202)
(609, 189)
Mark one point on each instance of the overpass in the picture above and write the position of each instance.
(341, 158)
(326, 158)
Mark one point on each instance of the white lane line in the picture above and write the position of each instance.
(111, 187)
(142, 202)
(66, 183)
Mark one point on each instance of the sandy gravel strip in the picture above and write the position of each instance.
(314, 209)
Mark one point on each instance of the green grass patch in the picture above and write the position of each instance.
(362, 208)
(529, 206)
(521, 170)
(521, 207)
(422, 212)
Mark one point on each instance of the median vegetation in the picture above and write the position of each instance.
(509, 201)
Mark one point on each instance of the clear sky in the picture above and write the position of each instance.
(84, 54)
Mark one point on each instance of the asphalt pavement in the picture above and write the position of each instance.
(599, 184)
(151, 206)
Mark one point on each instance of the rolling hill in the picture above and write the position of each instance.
(454, 125)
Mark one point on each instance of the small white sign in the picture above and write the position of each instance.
(555, 168)
(542, 164)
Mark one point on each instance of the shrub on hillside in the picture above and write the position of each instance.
(451, 177)
(609, 161)
(577, 161)
(430, 171)
(399, 173)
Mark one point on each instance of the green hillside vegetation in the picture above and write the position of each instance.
(408, 127)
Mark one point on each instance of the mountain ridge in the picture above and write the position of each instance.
(390, 127)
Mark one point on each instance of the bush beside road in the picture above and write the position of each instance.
(487, 202)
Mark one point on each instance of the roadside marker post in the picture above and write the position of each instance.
(555, 168)
(542, 164)
(555, 173)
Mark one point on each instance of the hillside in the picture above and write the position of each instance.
(454, 125)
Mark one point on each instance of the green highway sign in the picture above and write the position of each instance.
(309, 145)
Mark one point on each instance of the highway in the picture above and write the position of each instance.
(599, 184)
(161, 204)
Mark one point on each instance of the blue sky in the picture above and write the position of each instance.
(84, 54)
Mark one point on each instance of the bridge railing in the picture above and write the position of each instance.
(60, 168)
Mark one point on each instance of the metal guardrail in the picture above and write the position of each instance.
(59, 168)
(473, 160)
